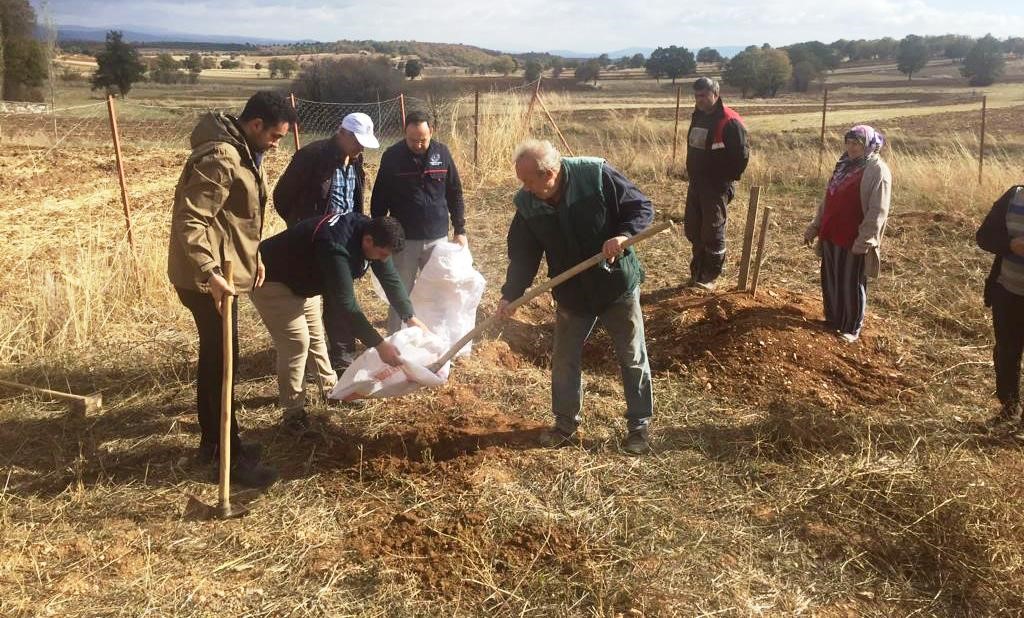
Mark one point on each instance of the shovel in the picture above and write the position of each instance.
(542, 288)
(224, 509)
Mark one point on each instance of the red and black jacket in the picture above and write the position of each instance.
(717, 151)
(422, 191)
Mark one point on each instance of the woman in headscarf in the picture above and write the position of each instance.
(849, 225)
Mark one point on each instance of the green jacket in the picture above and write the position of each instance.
(218, 207)
(598, 203)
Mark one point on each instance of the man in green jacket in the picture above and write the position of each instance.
(568, 210)
(218, 216)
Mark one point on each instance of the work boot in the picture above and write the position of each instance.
(557, 437)
(295, 420)
(1010, 412)
(209, 453)
(251, 473)
(637, 442)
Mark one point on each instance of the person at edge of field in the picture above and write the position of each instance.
(849, 225)
(1002, 234)
(716, 157)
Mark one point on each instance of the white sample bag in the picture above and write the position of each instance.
(369, 377)
(447, 293)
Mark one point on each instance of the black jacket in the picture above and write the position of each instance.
(304, 189)
(712, 162)
(993, 237)
(422, 192)
(323, 256)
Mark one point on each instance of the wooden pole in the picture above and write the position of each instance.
(981, 150)
(748, 236)
(557, 130)
(296, 109)
(675, 131)
(226, 392)
(529, 110)
(81, 404)
(542, 288)
(760, 249)
(401, 105)
(476, 128)
(821, 144)
(120, 176)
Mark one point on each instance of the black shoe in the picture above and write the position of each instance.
(208, 453)
(637, 442)
(1010, 412)
(295, 421)
(558, 438)
(250, 473)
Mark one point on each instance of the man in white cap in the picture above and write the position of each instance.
(327, 177)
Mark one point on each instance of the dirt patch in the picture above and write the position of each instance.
(456, 424)
(766, 348)
(441, 549)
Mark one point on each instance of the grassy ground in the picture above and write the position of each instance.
(791, 475)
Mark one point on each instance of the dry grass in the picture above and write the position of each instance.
(437, 504)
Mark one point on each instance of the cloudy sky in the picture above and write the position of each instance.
(520, 25)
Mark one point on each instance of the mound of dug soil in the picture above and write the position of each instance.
(775, 346)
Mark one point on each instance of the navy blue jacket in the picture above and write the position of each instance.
(304, 189)
(422, 192)
(323, 256)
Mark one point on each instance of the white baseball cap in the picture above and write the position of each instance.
(361, 126)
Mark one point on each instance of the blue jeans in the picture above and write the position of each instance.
(625, 324)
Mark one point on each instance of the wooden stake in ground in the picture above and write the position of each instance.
(675, 131)
(78, 404)
(542, 288)
(748, 236)
(760, 249)
(401, 106)
(476, 128)
(821, 145)
(529, 110)
(120, 177)
(555, 126)
(296, 127)
(981, 150)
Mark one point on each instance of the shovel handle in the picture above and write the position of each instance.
(227, 389)
(544, 287)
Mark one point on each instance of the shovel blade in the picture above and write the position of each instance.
(197, 510)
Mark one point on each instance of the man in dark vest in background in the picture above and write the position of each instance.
(716, 157)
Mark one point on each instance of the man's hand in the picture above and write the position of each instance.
(219, 290)
(1017, 245)
(415, 321)
(504, 312)
(389, 353)
(810, 234)
(261, 273)
(461, 240)
(613, 247)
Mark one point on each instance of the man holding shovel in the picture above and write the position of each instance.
(567, 210)
(217, 217)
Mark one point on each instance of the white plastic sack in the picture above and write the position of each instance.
(447, 293)
(368, 376)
